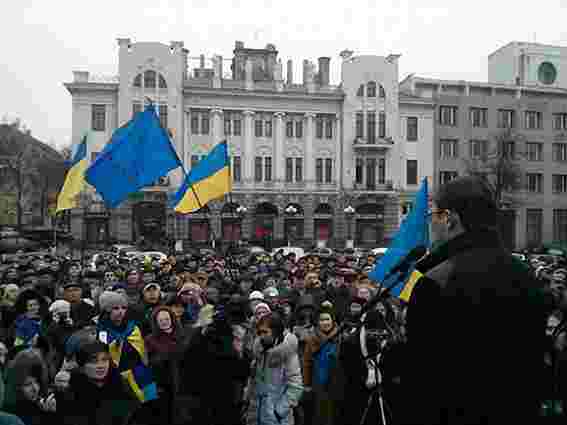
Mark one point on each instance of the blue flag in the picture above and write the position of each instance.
(138, 154)
(413, 232)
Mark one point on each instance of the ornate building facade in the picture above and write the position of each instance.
(301, 154)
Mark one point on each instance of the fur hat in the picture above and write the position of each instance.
(108, 300)
(327, 308)
(89, 349)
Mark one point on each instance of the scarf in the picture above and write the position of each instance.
(128, 352)
(325, 358)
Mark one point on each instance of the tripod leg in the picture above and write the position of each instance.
(382, 413)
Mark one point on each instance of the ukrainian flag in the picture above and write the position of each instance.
(209, 179)
(75, 179)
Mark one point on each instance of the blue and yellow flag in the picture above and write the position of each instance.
(413, 232)
(209, 179)
(75, 179)
(138, 154)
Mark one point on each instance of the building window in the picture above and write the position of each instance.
(205, 124)
(411, 171)
(560, 183)
(371, 173)
(319, 128)
(448, 115)
(478, 117)
(447, 176)
(163, 115)
(258, 128)
(509, 150)
(360, 91)
(194, 160)
(150, 79)
(329, 129)
(328, 170)
(535, 151)
(560, 121)
(506, 118)
(359, 125)
(381, 92)
(258, 169)
(237, 169)
(382, 125)
(381, 170)
(411, 129)
(560, 152)
(546, 73)
(194, 123)
(138, 81)
(136, 108)
(319, 170)
(299, 129)
(268, 128)
(449, 148)
(534, 222)
(535, 182)
(237, 127)
(358, 171)
(298, 169)
(227, 125)
(371, 89)
(289, 129)
(478, 148)
(289, 170)
(371, 127)
(268, 169)
(98, 117)
(560, 225)
(162, 83)
(532, 120)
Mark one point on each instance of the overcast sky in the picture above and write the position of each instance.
(45, 40)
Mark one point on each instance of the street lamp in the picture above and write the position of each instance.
(349, 213)
(241, 211)
(291, 211)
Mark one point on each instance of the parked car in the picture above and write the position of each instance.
(299, 252)
(122, 249)
(322, 252)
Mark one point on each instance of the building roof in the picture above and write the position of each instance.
(525, 44)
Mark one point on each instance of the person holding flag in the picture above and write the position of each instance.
(475, 320)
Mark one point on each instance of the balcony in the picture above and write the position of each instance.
(385, 187)
(377, 144)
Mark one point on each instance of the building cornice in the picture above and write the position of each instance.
(85, 87)
(259, 94)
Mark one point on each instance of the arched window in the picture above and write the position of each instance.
(138, 81)
(162, 83)
(360, 91)
(371, 89)
(150, 79)
(381, 92)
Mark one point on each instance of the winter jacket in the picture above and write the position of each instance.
(277, 381)
(477, 320)
(82, 314)
(84, 403)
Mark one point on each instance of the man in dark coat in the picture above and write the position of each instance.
(475, 321)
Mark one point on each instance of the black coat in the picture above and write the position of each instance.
(84, 403)
(476, 337)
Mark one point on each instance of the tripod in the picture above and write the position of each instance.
(374, 380)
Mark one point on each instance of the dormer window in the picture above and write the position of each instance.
(138, 81)
(371, 89)
(360, 91)
(381, 92)
(150, 79)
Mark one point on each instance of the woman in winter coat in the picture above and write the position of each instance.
(162, 346)
(96, 394)
(31, 308)
(277, 382)
(26, 389)
(320, 366)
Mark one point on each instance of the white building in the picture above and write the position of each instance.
(314, 147)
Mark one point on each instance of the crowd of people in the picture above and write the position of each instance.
(239, 338)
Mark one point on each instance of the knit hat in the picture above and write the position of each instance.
(327, 308)
(108, 300)
(262, 306)
(256, 295)
(271, 292)
(89, 349)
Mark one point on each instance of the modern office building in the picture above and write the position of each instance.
(525, 99)
(301, 153)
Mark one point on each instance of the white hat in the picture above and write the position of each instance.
(270, 291)
(256, 295)
(60, 306)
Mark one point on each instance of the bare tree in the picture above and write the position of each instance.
(498, 164)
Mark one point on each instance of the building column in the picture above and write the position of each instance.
(217, 126)
(248, 151)
(279, 149)
(309, 166)
(338, 156)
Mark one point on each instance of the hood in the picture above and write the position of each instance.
(25, 363)
(287, 347)
(155, 328)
